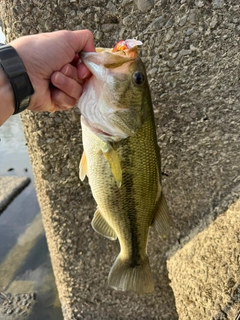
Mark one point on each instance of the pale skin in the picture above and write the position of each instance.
(51, 61)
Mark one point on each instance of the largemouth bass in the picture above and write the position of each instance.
(122, 161)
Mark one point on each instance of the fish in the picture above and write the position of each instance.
(121, 159)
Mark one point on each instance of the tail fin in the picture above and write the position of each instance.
(123, 276)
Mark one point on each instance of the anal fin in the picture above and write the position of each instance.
(162, 219)
(83, 169)
(101, 226)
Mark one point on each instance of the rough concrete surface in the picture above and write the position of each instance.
(205, 273)
(10, 187)
(191, 52)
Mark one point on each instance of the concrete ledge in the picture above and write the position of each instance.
(205, 273)
(10, 187)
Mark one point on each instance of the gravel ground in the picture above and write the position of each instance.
(16, 306)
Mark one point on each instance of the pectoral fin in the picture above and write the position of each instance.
(113, 159)
(83, 170)
(162, 219)
(101, 226)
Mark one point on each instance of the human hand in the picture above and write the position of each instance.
(53, 66)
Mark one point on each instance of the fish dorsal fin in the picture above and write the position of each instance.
(101, 226)
(83, 170)
(113, 159)
(162, 219)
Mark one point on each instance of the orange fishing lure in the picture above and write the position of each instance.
(126, 44)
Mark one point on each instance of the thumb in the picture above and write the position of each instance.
(83, 41)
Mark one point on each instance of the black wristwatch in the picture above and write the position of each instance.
(16, 72)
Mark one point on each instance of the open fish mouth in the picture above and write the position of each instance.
(121, 53)
(103, 61)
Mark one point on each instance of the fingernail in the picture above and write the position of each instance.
(65, 69)
(59, 78)
(84, 76)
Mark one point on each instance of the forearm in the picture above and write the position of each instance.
(6, 98)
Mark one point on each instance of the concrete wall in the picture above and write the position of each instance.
(205, 273)
(191, 51)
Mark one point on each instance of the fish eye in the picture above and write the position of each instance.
(138, 77)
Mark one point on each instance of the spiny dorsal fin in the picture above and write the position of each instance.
(113, 159)
(162, 219)
(101, 226)
(83, 170)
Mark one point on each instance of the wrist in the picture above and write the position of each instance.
(7, 103)
(15, 71)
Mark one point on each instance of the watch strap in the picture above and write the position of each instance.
(16, 72)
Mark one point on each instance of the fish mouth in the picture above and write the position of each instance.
(105, 58)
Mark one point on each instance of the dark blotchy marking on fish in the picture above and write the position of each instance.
(131, 209)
